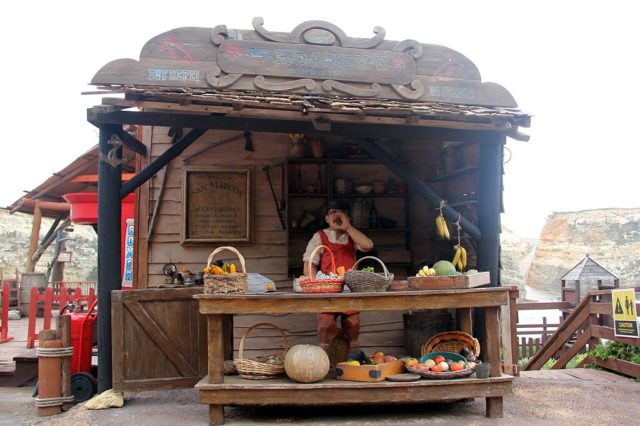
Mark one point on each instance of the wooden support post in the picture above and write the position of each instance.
(464, 317)
(49, 373)
(490, 188)
(216, 352)
(109, 256)
(35, 234)
(64, 330)
(513, 317)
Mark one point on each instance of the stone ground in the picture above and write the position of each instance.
(575, 397)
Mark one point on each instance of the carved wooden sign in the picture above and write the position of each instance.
(216, 205)
(317, 57)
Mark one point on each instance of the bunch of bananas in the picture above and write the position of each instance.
(425, 271)
(460, 257)
(441, 227)
(226, 268)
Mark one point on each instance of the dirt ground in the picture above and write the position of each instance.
(536, 400)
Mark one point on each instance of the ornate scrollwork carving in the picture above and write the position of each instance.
(219, 34)
(214, 79)
(261, 83)
(411, 46)
(297, 35)
(405, 92)
(330, 85)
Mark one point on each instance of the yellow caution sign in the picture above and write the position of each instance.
(625, 316)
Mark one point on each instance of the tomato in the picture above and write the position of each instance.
(439, 359)
(437, 368)
(456, 367)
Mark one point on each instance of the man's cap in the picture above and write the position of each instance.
(339, 205)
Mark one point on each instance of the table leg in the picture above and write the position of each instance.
(492, 356)
(492, 339)
(464, 320)
(227, 329)
(215, 356)
(494, 407)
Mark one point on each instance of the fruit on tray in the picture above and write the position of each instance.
(440, 364)
(425, 271)
(444, 268)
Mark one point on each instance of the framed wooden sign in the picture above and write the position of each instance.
(216, 205)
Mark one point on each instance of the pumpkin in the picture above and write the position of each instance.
(306, 363)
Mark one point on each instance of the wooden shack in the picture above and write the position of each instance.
(245, 136)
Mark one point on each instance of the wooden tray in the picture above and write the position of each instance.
(442, 375)
(443, 283)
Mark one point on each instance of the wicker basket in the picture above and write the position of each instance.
(451, 341)
(259, 369)
(362, 281)
(327, 285)
(235, 282)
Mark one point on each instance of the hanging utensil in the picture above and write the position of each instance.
(275, 199)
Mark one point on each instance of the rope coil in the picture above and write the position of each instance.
(54, 352)
(53, 401)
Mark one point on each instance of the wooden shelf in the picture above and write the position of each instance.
(366, 230)
(454, 174)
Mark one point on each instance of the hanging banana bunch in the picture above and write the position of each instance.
(460, 257)
(441, 224)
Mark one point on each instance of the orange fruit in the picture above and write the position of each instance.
(437, 368)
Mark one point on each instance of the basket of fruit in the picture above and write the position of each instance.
(224, 278)
(453, 341)
(442, 365)
(367, 279)
(322, 283)
(263, 367)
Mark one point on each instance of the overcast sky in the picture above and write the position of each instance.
(573, 65)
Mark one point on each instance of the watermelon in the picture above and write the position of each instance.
(444, 268)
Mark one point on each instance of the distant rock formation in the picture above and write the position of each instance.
(611, 237)
(15, 233)
(515, 258)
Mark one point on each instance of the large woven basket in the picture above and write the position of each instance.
(363, 281)
(322, 285)
(260, 369)
(236, 282)
(451, 341)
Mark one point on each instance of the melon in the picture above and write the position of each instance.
(444, 268)
(306, 363)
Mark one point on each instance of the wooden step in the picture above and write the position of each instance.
(22, 371)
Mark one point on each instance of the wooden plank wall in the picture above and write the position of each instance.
(269, 254)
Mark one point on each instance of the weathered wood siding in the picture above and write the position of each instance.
(268, 254)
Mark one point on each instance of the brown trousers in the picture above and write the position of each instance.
(328, 328)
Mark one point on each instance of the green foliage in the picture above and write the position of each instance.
(617, 350)
(368, 269)
(576, 360)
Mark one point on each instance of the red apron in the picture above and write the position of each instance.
(343, 254)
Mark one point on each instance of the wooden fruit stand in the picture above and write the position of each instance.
(214, 110)
(217, 390)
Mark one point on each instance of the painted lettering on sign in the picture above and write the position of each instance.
(298, 60)
(451, 92)
(167, 74)
(217, 205)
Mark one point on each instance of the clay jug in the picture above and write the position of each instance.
(296, 148)
(317, 148)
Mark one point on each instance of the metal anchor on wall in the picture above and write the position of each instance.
(111, 157)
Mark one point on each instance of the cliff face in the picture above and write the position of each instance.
(611, 237)
(515, 258)
(15, 232)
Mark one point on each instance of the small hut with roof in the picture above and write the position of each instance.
(589, 273)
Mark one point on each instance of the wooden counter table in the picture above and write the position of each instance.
(217, 390)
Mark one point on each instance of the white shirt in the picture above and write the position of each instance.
(315, 241)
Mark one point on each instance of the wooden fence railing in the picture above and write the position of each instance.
(587, 324)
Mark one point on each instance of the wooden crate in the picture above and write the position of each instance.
(368, 373)
(450, 282)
